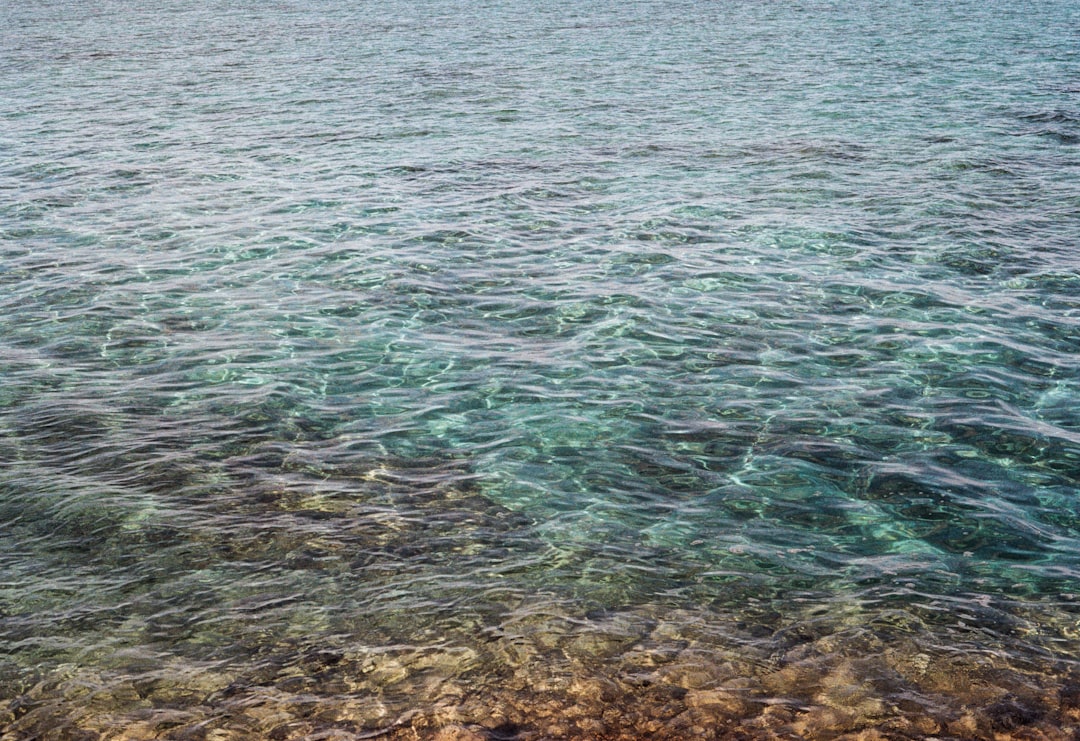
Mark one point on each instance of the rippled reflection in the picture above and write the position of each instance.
(523, 371)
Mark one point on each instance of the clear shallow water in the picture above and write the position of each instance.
(539, 372)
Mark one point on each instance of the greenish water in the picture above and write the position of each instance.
(615, 370)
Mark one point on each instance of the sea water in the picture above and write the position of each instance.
(518, 369)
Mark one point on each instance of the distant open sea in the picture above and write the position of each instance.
(521, 370)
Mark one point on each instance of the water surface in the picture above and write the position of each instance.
(531, 371)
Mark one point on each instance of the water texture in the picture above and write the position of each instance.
(532, 370)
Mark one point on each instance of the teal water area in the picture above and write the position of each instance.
(524, 370)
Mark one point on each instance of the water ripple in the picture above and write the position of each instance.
(524, 371)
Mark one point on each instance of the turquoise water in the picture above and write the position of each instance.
(530, 371)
